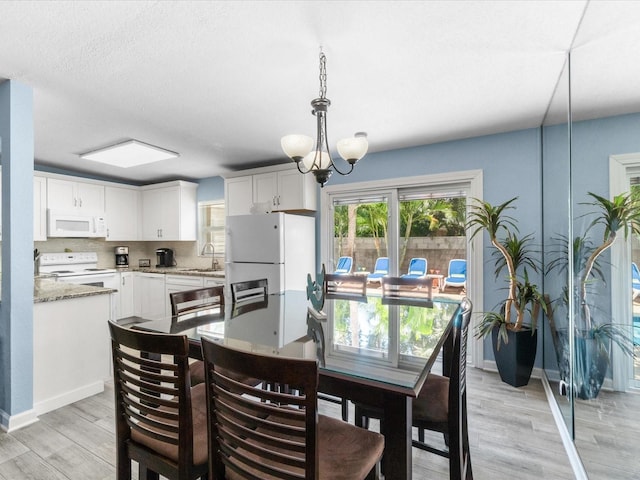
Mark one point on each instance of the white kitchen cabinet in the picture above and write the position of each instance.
(179, 283)
(238, 194)
(169, 211)
(286, 190)
(70, 195)
(126, 295)
(283, 190)
(121, 211)
(150, 295)
(296, 191)
(212, 281)
(39, 209)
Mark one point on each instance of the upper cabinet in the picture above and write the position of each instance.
(69, 195)
(121, 210)
(280, 190)
(39, 208)
(169, 211)
(238, 193)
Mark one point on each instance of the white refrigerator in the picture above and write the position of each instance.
(280, 247)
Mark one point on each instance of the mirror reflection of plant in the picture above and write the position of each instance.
(621, 213)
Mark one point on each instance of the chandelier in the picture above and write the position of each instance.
(317, 160)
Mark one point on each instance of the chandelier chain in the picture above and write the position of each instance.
(323, 75)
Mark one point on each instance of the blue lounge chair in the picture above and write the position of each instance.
(417, 268)
(344, 266)
(635, 280)
(457, 276)
(381, 269)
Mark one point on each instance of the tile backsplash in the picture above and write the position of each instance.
(185, 253)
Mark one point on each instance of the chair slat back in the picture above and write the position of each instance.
(344, 286)
(458, 390)
(190, 301)
(255, 432)
(152, 389)
(406, 290)
(249, 290)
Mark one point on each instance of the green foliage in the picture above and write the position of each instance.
(623, 212)
(514, 253)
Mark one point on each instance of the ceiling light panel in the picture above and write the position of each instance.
(129, 154)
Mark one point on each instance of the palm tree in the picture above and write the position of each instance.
(374, 220)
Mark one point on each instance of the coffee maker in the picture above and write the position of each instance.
(122, 257)
(164, 257)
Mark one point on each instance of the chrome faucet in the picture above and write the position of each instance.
(209, 250)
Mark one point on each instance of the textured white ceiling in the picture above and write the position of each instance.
(221, 82)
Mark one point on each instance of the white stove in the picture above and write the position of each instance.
(78, 267)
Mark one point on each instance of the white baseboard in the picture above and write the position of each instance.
(10, 423)
(567, 440)
(66, 398)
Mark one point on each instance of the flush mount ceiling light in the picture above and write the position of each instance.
(129, 154)
(300, 148)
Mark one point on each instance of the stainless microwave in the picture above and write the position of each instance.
(75, 224)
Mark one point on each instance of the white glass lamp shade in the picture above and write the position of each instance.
(323, 161)
(296, 146)
(353, 148)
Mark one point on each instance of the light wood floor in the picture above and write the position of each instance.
(512, 435)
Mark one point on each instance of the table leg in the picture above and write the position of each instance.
(396, 428)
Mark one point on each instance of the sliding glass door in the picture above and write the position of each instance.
(380, 231)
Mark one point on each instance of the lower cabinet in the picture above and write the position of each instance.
(126, 305)
(150, 295)
(146, 295)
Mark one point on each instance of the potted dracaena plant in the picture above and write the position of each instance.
(593, 331)
(512, 324)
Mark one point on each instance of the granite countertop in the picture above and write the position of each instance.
(48, 290)
(194, 272)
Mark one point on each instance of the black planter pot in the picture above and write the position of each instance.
(515, 359)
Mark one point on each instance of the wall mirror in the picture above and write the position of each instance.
(601, 402)
(556, 226)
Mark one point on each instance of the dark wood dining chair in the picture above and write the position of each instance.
(441, 405)
(250, 290)
(256, 433)
(191, 301)
(345, 286)
(160, 418)
(399, 290)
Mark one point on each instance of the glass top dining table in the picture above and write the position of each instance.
(368, 351)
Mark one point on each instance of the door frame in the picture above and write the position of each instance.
(620, 167)
(475, 271)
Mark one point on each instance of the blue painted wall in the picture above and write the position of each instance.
(511, 164)
(211, 188)
(16, 309)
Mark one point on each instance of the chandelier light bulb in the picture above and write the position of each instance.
(315, 160)
(296, 146)
(354, 148)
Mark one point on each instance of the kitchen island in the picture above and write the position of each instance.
(71, 349)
